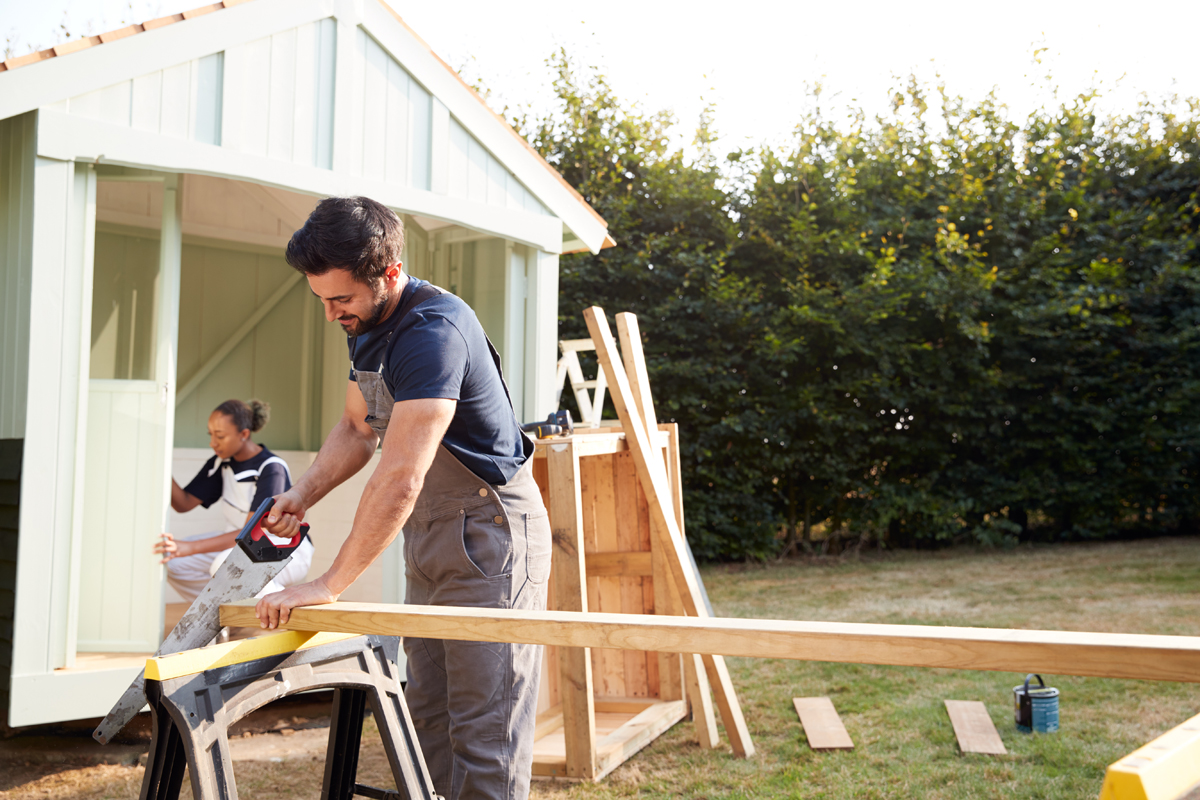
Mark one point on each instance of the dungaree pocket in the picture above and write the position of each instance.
(538, 546)
(486, 543)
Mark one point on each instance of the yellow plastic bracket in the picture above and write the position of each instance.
(190, 662)
(1162, 770)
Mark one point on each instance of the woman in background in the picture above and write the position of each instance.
(240, 476)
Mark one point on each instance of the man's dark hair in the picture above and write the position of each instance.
(350, 233)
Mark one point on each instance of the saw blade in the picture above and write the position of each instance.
(236, 579)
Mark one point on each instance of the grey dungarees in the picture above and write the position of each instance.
(469, 543)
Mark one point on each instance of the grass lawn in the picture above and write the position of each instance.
(904, 745)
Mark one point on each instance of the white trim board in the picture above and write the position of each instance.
(55, 79)
(66, 694)
(68, 138)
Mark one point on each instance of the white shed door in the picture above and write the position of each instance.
(121, 582)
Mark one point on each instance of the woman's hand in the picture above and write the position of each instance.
(285, 516)
(169, 548)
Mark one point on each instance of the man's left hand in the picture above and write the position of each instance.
(274, 609)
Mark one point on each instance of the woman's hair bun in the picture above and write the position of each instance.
(260, 413)
(246, 416)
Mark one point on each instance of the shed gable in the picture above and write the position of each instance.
(274, 98)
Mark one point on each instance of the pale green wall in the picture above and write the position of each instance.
(18, 137)
(123, 318)
(224, 283)
(482, 284)
(278, 362)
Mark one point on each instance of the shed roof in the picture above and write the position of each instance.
(87, 42)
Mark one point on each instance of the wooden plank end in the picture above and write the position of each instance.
(821, 723)
(974, 728)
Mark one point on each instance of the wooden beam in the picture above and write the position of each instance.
(635, 369)
(653, 473)
(1098, 655)
(574, 663)
(621, 565)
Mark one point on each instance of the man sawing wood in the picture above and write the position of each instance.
(455, 474)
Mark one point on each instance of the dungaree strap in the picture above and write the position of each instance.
(426, 292)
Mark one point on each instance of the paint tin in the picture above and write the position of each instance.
(1035, 708)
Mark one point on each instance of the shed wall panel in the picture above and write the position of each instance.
(43, 563)
(146, 111)
(266, 364)
(10, 494)
(399, 134)
(282, 99)
(325, 66)
(176, 108)
(17, 143)
(306, 75)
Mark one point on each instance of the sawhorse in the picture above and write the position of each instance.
(195, 697)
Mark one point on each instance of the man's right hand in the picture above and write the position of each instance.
(286, 514)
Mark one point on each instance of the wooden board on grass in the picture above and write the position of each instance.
(973, 727)
(822, 725)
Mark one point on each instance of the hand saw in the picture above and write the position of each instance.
(254, 561)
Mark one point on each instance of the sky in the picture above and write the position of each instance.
(755, 59)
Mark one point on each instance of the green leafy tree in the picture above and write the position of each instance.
(913, 329)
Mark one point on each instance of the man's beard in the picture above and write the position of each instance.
(373, 319)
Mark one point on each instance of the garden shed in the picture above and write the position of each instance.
(149, 180)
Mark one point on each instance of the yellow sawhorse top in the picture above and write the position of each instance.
(191, 662)
(1162, 770)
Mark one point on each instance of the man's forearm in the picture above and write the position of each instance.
(346, 450)
(387, 501)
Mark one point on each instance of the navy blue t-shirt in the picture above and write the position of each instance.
(439, 350)
(266, 472)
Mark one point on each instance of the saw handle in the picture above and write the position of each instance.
(257, 545)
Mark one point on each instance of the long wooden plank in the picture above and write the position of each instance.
(704, 716)
(635, 368)
(673, 680)
(822, 725)
(625, 486)
(974, 728)
(653, 474)
(609, 665)
(575, 689)
(683, 673)
(692, 676)
(1099, 655)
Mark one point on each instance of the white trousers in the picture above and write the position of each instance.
(188, 575)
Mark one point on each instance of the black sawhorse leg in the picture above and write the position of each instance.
(192, 714)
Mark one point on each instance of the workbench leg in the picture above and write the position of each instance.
(167, 760)
(570, 591)
(345, 737)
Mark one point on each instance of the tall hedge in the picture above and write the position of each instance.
(907, 330)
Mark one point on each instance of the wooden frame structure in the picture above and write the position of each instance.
(611, 554)
(599, 706)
